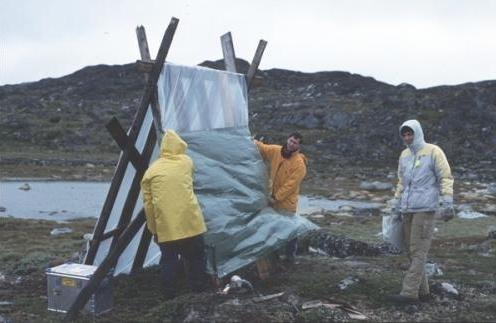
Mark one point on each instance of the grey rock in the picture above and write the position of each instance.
(472, 176)
(432, 269)
(392, 176)
(375, 186)
(88, 236)
(347, 282)
(60, 231)
(356, 263)
(491, 234)
(488, 209)
(293, 299)
(25, 187)
(337, 246)
(346, 208)
(464, 207)
(5, 304)
(449, 288)
(310, 121)
(411, 309)
(406, 86)
(491, 189)
(446, 290)
(470, 215)
(193, 316)
(337, 120)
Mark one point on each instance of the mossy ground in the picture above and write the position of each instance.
(461, 248)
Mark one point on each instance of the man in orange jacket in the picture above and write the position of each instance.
(287, 170)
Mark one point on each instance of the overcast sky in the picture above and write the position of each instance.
(424, 43)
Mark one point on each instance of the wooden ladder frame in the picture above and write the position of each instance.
(127, 227)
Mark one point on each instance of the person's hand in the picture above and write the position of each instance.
(272, 202)
(446, 210)
(395, 209)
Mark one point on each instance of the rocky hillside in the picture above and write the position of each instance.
(345, 118)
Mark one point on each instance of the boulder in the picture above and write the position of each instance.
(375, 186)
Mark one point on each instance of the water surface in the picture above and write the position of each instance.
(56, 201)
(61, 200)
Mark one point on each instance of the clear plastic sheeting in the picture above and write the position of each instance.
(198, 98)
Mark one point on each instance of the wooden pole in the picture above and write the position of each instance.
(133, 135)
(104, 268)
(117, 132)
(255, 62)
(143, 44)
(145, 56)
(142, 162)
(228, 51)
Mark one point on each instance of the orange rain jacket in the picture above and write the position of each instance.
(285, 175)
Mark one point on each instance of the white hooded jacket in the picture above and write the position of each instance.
(424, 174)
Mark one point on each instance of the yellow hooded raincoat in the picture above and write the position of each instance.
(285, 175)
(171, 207)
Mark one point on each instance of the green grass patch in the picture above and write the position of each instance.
(27, 245)
(458, 228)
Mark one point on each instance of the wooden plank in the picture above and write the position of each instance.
(134, 190)
(104, 268)
(145, 56)
(144, 66)
(157, 119)
(255, 63)
(264, 267)
(133, 134)
(143, 43)
(111, 233)
(144, 245)
(146, 236)
(228, 51)
(106, 209)
(154, 75)
(125, 143)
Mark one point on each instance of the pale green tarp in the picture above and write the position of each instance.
(231, 184)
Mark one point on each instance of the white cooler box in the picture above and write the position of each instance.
(65, 282)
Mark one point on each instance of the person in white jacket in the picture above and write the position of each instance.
(425, 186)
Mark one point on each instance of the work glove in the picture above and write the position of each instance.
(395, 209)
(446, 211)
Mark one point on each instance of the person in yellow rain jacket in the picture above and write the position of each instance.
(288, 167)
(173, 214)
